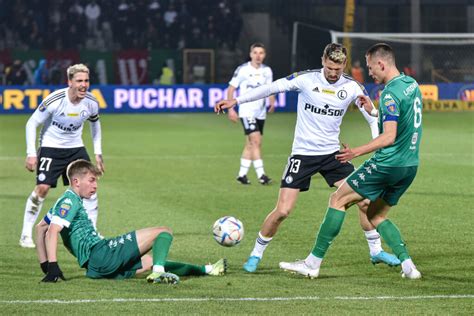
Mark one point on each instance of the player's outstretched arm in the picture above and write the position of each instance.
(365, 102)
(54, 273)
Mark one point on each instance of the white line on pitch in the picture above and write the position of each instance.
(248, 299)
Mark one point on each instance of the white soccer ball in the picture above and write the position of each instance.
(228, 231)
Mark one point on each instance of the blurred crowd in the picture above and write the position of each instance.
(118, 24)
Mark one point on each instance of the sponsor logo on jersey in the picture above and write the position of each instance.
(355, 183)
(328, 91)
(409, 90)
(66, 206)
(73, 114)
(70, 128)
(316, 89)
(342, 94)
(324, 111)
(68, 201)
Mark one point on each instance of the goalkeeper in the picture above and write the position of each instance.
(115, 258)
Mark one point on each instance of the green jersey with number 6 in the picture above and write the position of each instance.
(401, 101)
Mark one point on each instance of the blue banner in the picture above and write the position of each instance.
(185, 98)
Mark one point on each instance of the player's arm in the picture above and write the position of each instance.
(54, 273)
(41, 229)
(39, 117)
(365, 105)
(263, 91)
(271, 99)
(96, 133)
(385, 139)
(232, 113)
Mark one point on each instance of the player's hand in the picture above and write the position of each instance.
(346, 154)
(224, 104)
(44, 266)
(366, 103)
(100, 163)
(30, 163)
(232, 115)
(271, 108)
(54, 273)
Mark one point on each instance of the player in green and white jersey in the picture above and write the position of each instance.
(387, 174)
(114, 258)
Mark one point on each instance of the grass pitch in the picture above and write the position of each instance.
(179, 170)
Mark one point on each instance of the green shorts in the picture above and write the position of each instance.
(115, 258)
(389, 183)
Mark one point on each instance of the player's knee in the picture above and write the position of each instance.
(283, 211)
(376, 219)
(163, 229)
(334, 201)
(42, 190)
(363, 205)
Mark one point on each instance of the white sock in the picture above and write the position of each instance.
(34, 203)
(244, 166)
(157, 268)
(92, 208)
(258, 165)
(261, 244)
(407, 266)
(373, 239)
(208, 268)
(313, 262)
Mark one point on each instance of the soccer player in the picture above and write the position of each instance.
(385, 176)
(324, 97)
(114, 258)
(62, 115)
(252, 114)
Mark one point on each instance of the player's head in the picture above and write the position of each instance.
(83, 175)
(380, 62)
(78, 80)
(257, 53)
(334, 61)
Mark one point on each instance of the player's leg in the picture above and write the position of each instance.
(328, 231)
(245, 162)
(34, 203)
(286, 201)
(158, 239)
(185, 269)
(377, 254)
(256, 141)
(401, 179)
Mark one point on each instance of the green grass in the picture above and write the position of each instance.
(179, 170)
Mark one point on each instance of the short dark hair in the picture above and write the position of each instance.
(381, 50)
(257, 44)
(336, 53)
(81, 167)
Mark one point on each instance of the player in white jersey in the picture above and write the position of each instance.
(252, 114)
(62, 115)
(324, 97)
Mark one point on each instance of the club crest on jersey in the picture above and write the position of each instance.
(42, 107)
(83, 114)
(41, 177)
(63, 212)
(342, 94)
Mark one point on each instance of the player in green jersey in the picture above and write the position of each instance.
(114, 258)
(387, 174)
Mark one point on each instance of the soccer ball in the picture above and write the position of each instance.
(228, 231)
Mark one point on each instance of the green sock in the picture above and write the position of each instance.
(161, 247)
(328, 230)
(183, 269)
(391, 234)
